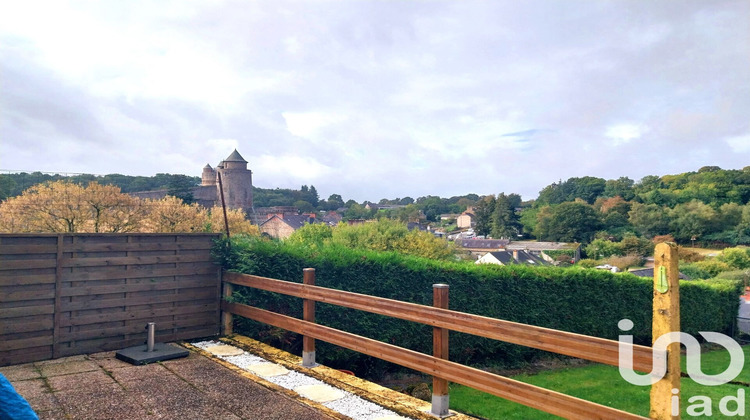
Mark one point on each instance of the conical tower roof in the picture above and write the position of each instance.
(235, 157)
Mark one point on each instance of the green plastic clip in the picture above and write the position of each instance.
(662, 284)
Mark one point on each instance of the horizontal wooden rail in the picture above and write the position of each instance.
(570, 344)
(520, 392)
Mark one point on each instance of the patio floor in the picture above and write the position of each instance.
(98, 386)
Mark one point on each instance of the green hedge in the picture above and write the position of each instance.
(583, 301)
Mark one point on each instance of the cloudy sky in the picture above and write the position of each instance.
(377, 99)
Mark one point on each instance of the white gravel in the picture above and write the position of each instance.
(349, 405)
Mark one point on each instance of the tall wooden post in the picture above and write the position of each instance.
(665, 394)
(226, 317)
(440, 397)
(308, 314)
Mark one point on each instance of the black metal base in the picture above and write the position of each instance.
(139, 356)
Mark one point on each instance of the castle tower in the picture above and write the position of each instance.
(237, 182)
(208, 177)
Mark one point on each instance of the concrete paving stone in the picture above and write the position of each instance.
(31, 388)
(107, 401)
(20, 372)
(79, 358)
(224, 350)
(51, 415)
(66, 368)
(45, 402)
(319, 393)
(138, 373)
(80, 381)
(268, 369)
(239, 394)
(109, 361)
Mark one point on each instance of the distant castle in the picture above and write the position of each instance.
(236, 181)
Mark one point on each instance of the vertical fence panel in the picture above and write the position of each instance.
(71, 294)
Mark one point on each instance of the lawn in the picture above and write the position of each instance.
(604, 385)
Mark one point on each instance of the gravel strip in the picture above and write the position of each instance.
(349, 405)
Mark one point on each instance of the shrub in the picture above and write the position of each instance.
(625, 262)
(689, 256)
(602, 248)
(694, 272)
(588, 263)
(735, 257)
(712, 266)
(582, 301)
(633, 245)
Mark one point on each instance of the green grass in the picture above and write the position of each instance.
(604, 385)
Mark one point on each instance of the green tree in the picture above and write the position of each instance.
(483, 215)
(572, 222)
(693, 219)
(622, 187)
(602, 248)
(182, 186)
(649, 220)
(7, 186)
(504, 220)
(312, 234)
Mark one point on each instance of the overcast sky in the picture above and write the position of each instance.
(377, 99)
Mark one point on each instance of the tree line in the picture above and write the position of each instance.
(67, 207)
(706, 206)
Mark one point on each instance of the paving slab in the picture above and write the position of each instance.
(100, 387)
(319, 393)
(20, 372)
(268, 369)
(224, 350)
(66, 368)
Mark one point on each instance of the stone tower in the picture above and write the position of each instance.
(236, 179)
(208, 177)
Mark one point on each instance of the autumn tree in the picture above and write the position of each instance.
(111, 210)
(238, 223)
(172, 215)
(59, 206)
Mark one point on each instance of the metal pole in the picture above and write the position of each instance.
(223, 204)
(151, 326)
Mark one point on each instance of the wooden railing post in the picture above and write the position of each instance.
(308, 314)
(440, 396)
(226, 316)
(666, 319)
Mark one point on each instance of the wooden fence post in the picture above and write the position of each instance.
(666, 319)
(440, 396)
(226, 316)
(308, 314)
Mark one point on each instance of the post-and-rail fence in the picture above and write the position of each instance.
(69, 294)
(442, 320)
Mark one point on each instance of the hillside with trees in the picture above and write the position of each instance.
(708, 206)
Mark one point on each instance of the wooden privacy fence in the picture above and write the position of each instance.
(442, 320)
(68, 294)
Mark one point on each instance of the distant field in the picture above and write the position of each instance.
(601, 384)
(705, 251)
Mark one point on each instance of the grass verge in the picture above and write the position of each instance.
(604, 385)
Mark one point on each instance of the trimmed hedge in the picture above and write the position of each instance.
(584, 301)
